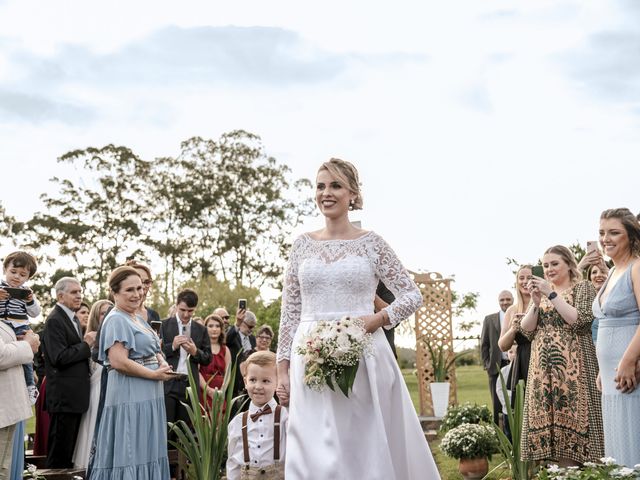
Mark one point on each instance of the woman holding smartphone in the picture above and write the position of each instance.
(618, 348)
(510, 334)
(562, 414)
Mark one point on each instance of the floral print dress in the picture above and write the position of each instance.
(562, 412)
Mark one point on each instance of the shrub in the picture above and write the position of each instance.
(465, 413)
(470, 440)
(608, 469)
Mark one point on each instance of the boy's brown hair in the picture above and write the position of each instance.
(262, 359)
(22, 259)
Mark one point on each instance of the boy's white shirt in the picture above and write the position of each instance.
(260, 436)
(499, 391)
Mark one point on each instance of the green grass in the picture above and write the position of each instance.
(473, 386)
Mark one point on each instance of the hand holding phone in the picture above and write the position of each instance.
(592, 246)
(242, 304)
(19, 293)
(537, 271)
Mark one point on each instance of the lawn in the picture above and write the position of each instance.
(472, 387)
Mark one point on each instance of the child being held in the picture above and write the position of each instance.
(16, 309)
(257, 438)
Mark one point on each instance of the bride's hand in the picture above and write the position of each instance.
(282, 389)
(373, 322)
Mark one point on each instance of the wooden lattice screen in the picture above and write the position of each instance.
(433, 321)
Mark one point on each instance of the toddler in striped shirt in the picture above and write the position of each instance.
(16, 309)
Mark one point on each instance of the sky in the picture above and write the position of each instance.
(481, 130)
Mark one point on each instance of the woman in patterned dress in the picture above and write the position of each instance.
(562, 415)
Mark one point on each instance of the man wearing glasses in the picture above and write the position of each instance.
(241, 342)
(224, 315)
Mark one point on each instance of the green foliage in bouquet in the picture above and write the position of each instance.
(465, 413)
(470, 440)
(608, 469)
(204, 445)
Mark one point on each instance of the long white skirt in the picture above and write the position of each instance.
(373, 434)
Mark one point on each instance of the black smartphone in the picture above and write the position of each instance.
(242, 304)
(156, 324)
(537, 271)
(19, 293)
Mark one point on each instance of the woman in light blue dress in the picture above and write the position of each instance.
(618, 346)
(131, 442)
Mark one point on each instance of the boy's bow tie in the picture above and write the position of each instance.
(266, 410)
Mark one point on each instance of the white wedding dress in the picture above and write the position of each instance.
(375, 433)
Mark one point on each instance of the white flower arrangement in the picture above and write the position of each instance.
(332, 352)
(608, 468)
(470, 440)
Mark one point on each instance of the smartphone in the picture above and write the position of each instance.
(20, 293)
(537, 271)
(156, 324)
(242, 304)
(591, 246)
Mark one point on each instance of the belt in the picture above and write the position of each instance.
(332, 316)
(628, 321)
(150, 360)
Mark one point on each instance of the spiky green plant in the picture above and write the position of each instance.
(511, 449)
(204, 443)
(441, 359)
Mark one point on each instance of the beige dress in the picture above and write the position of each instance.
(562, 412)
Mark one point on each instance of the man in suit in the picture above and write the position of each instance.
(240, 342)
(185, 344)
(493, 358)
(224, 315)
(15, 405)
(66, 359)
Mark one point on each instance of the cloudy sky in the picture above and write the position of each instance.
(482, 130)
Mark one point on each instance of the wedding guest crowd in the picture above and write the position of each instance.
(581, 380)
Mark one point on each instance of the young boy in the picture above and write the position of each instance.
(257, 438)
(16, 309)
(503, 396)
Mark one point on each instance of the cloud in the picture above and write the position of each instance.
(37, 109)
(607, 63)
(233, 56)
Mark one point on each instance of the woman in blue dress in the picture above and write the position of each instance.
(132, 438)
(618, 346)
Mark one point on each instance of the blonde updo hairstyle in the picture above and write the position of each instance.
(347, 175)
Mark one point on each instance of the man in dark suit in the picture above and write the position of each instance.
(185, 345)
(383, 299)
(240, 342)
(493, 358)
(66, 358)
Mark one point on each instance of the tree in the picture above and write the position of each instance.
(95, 225)
(242, 208)
(10, 228)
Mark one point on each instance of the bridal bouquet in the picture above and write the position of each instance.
(332, 352)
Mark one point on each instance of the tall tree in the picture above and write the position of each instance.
(96, 223)
(243, 208)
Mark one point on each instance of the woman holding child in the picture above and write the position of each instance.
(333, 272)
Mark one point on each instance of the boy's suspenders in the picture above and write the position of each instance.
(276, 436)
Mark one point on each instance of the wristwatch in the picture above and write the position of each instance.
(552, 295)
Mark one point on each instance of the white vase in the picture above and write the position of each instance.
(439, 398)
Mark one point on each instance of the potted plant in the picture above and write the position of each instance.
(442, 359)
(465, 413)
(472, 444)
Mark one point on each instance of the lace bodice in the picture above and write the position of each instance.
(327, 279)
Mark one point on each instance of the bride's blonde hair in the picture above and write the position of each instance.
(347, 174)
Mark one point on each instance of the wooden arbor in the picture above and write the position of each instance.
(433, 322)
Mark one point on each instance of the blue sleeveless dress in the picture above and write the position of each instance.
(619, 318)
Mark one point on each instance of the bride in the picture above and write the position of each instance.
(332, 272)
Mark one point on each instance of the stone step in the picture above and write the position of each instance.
(430, 435)
(430, 423)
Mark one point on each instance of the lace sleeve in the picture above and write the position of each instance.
(397, 279)
(291, 304)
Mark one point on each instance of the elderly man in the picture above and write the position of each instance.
(66, 359)
(15, 405)
(493, 358)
